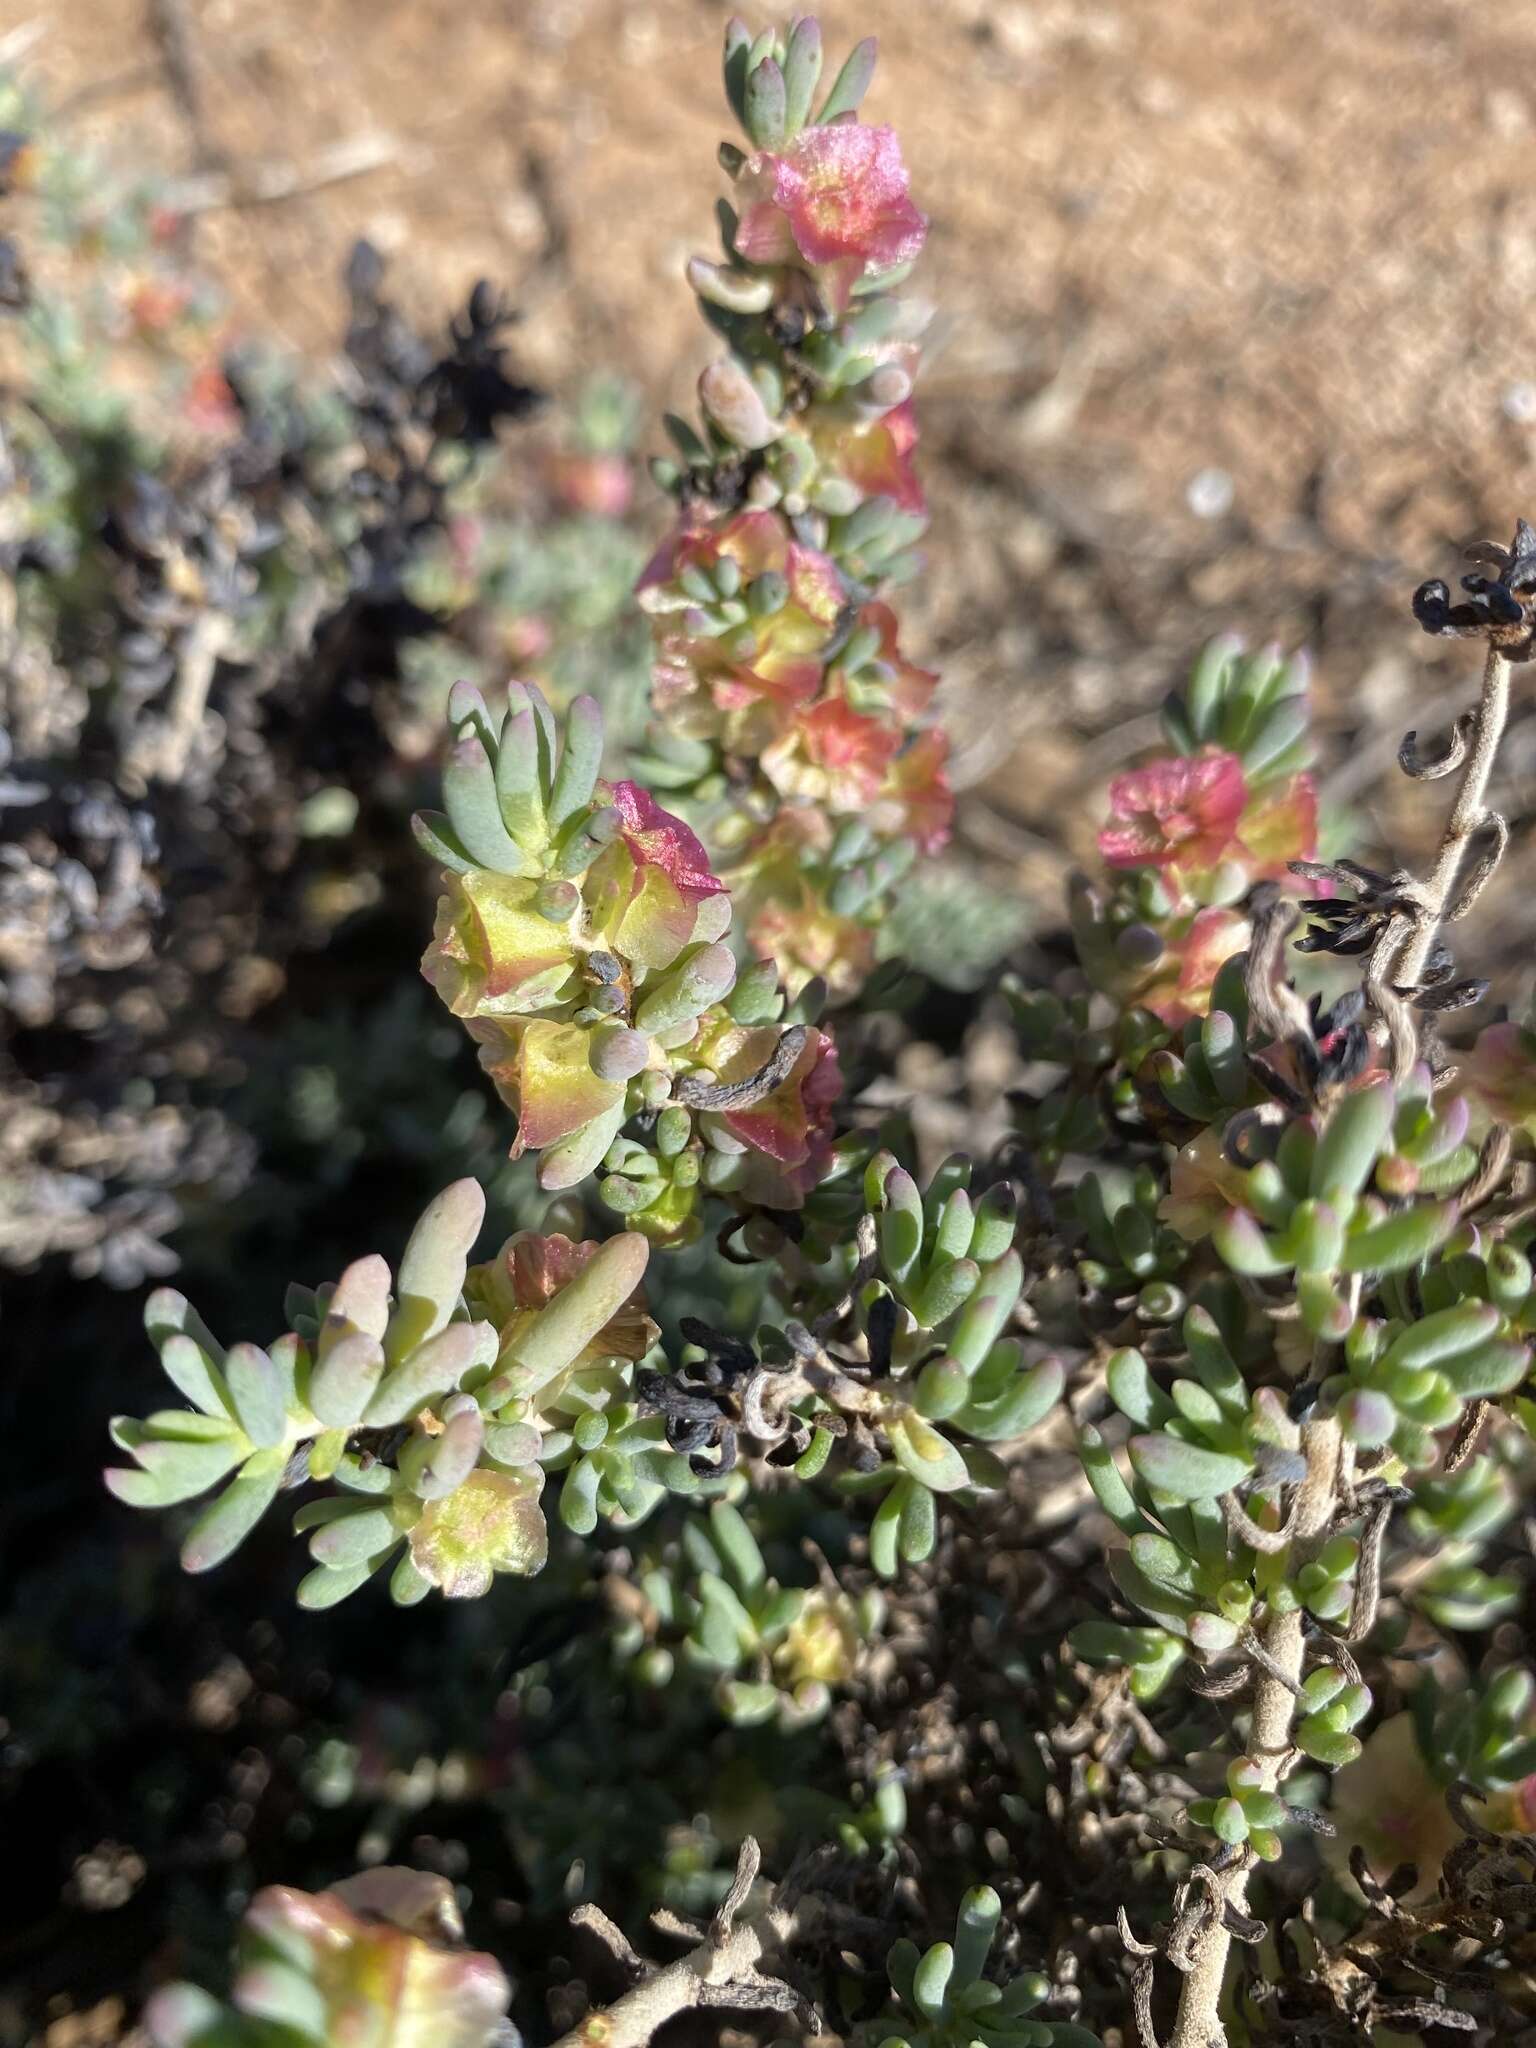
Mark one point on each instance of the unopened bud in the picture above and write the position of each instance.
(735, 290)
(1139, 945)
(735, 405)
(674, 1127)
(836, 496)
(890, 385)
(617, 1053)
(557, 901)
(767, 594)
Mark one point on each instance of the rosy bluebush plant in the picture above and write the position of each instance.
(1279, 1247)
(582, 942)
(582, 938)
(378, 1961)
(435, 1401)
(1298, 1253)
(789, 720)
(1191, 831)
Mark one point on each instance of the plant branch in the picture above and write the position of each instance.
(1469, 816)
(166, 752)
(722, 1972)
(1199, 2022)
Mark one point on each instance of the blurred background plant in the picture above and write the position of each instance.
(236, 595)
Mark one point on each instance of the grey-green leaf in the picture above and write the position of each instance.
(1186, 1471)
(256, 1388)
(192, 1372)
(851, 83)
(345, 1378)
(432, 1268)
(224, 1525)
(435, 1367)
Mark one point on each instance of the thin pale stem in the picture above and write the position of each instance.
(722, 1971)
(195, 669)
(1199, 2023)
(1468, 816)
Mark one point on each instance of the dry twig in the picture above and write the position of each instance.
(722, 1972)
(1435, 901)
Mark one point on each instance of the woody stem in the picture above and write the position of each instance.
(1199, 2022)
(1469, 814)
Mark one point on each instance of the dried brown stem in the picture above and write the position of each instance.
(697, 1091)
(1464, 1443)
(1470, 815)
(1366, 1602)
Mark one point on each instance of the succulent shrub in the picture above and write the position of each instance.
(434, 1401)
(1329, 1313)
(790, 723)
(772, 1653)
(1254, 1269)
(379, 1959)
(946, 2000)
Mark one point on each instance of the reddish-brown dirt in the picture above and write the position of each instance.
(1236, 301)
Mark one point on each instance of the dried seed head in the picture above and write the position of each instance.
(1500, 608)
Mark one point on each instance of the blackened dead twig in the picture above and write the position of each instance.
(695, 1091)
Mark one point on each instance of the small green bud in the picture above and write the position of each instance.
(654, 1667)
(1509, 1277)
(767, 594)
(616, 1053)
(558, 901)
(590, 1431)
(674, 1127)
(1229, 1823)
